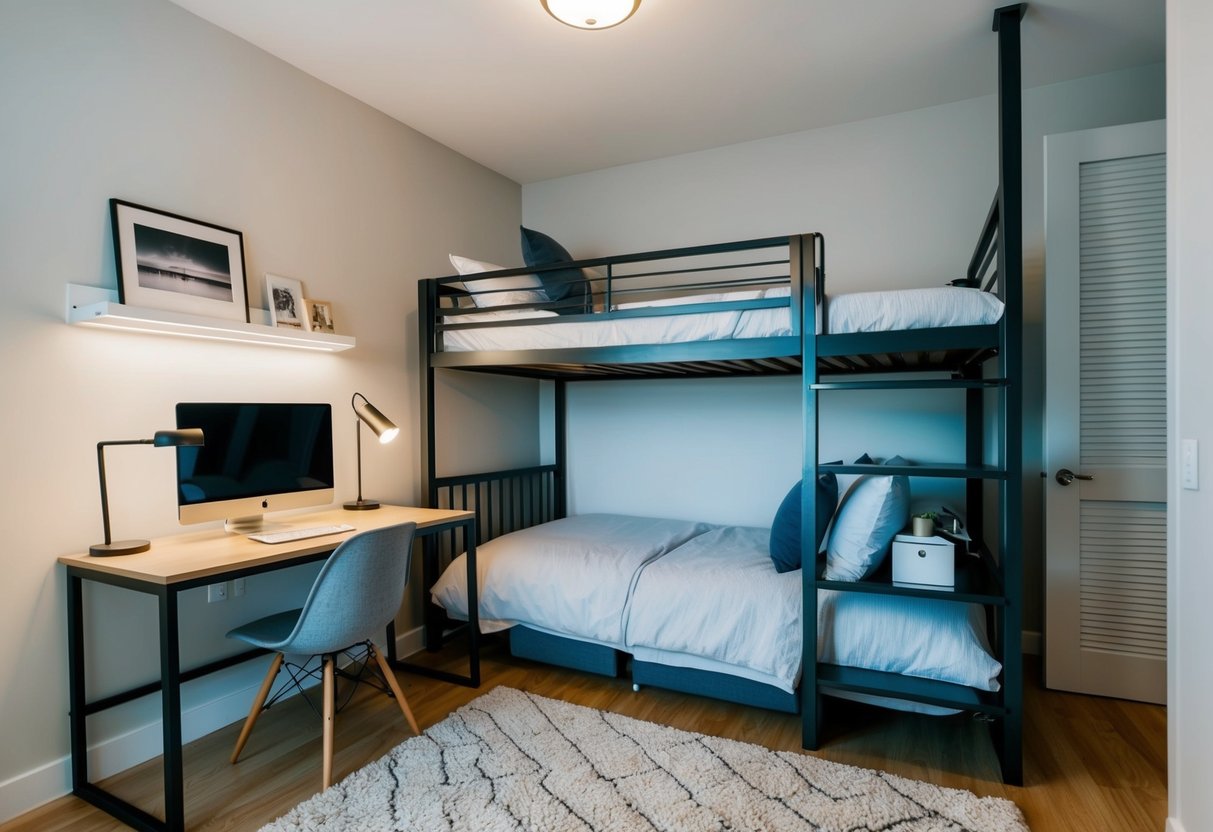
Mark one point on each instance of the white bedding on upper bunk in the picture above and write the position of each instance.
(941, 306)
(572, 576)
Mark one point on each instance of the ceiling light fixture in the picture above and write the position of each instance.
(591, 14)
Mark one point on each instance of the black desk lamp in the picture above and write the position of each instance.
(383, 428)
(162, 439)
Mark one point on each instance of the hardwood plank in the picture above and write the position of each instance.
(1091, 764)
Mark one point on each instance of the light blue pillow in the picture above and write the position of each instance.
(876, 508)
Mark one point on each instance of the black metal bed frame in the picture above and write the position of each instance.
(952, 357)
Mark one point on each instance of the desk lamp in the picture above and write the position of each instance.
(383, 428)
(162, 439)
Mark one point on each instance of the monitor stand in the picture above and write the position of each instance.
(252, 524)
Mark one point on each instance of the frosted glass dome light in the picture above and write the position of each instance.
(591, 14)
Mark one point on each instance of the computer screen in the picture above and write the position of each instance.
(256, 458)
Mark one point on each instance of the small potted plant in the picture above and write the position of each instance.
(923, 524)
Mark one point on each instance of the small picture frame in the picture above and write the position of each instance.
(319, 315)
(285, 298)
(166, 261)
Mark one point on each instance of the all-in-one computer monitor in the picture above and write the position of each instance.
(257, 458)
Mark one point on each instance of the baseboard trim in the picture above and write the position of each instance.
(110, 755)
(1173, 825)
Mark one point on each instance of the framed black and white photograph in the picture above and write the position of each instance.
(319, 315)
(166, 261)
(285, 298)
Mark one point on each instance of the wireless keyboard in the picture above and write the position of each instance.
(299, 534)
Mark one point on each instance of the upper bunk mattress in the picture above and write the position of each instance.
(572, 576)
(942, 306)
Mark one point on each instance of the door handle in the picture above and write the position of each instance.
(1065, 476)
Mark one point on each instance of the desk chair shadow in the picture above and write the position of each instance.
(356, 594)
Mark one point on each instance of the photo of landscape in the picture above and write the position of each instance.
(186, 265)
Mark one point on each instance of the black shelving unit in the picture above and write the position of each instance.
(976, 360)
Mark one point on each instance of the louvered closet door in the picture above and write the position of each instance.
(1105, 412)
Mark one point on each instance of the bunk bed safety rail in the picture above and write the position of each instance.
(983, 265)
(666, 282)
(503, 502)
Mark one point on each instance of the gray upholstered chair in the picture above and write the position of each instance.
(356, 594)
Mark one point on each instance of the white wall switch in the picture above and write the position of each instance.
(1190, 464)
(216, 592)
(237, 587)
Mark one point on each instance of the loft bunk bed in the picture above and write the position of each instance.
(756, 308)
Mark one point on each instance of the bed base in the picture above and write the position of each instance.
(572, 653)
(543, 647)
(714, 685)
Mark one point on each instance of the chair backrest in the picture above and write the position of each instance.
(356, 594)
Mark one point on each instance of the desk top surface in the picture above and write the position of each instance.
(214, 552)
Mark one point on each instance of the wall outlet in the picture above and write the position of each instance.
(216, 592)
(237, 587)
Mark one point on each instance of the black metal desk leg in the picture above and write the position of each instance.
(431, 615)
(78, 721)
(473, 607)
(170, 693)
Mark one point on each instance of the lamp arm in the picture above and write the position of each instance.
(105, 504)
(358, 436)
(358, 444)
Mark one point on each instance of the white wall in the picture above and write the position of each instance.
(141, 100)
(1190, 416)
(900, 200)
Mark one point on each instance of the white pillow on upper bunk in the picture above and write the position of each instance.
(502, 291)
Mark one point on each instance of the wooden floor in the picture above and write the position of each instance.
(1091, 764)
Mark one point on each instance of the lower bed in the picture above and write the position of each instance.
(700, 608)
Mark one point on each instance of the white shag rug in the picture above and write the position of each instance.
(511, 760)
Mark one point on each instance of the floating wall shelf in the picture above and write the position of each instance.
(94, 306)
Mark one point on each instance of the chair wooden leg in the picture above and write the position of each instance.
(390, 676)
(258, 704)
(329, 708)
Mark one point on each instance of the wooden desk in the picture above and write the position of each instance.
(185, 561)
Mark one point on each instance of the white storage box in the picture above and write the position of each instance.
(924, 561)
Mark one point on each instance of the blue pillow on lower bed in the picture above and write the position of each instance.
(785, 529)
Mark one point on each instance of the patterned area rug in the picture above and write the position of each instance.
(512, 760)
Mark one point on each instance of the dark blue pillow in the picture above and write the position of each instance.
(568, 286)
(785, 530)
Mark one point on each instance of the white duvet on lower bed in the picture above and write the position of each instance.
(719, 597)
(941, 306)
(572, 576)
(708, 597)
